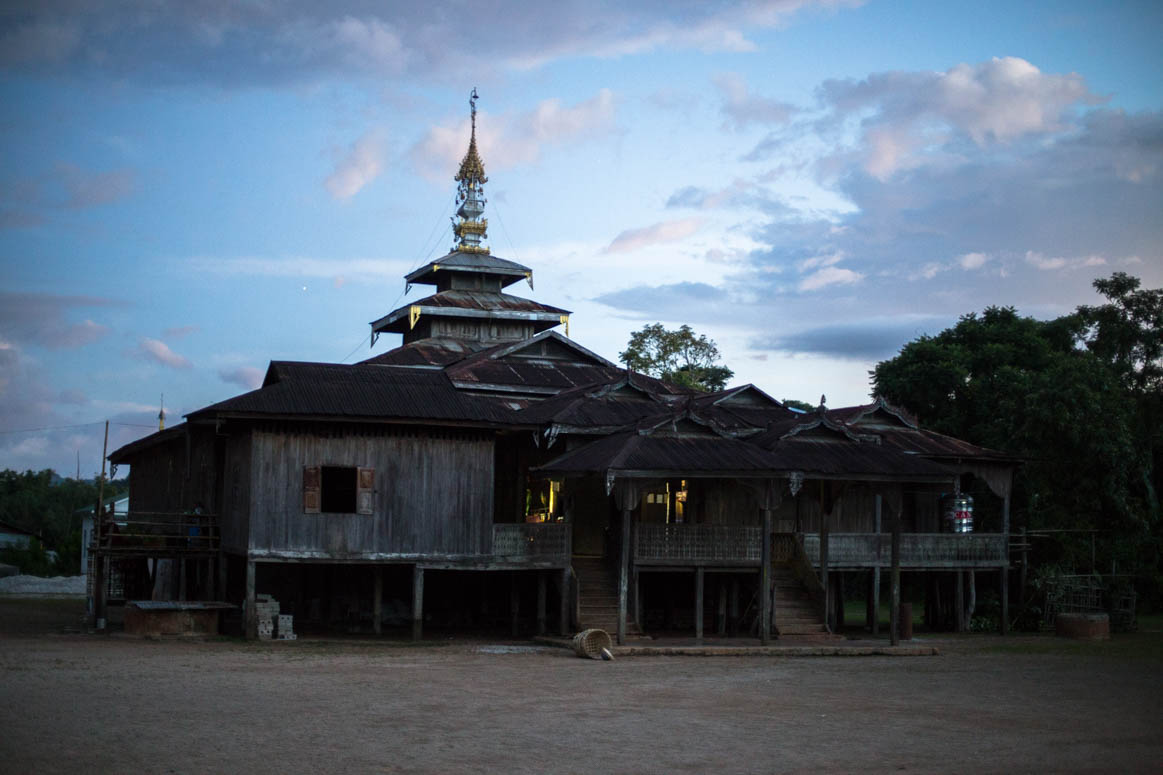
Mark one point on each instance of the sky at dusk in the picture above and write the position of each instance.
(190, 190)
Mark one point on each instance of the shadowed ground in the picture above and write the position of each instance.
(74, 702)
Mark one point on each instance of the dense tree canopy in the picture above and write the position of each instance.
(46, 504)
(681, 357)
(1078, 397)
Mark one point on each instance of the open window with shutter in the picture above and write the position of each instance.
(338, 490)
(365, 491)
(311, 490)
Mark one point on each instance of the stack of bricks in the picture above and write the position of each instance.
(286, 630)
(266, 610)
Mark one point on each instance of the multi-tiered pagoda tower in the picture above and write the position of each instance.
(469, 310)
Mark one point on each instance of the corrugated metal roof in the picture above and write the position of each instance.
(433, 351)
(661, 452)
(360, 391)
(483, 263)
(122, 454)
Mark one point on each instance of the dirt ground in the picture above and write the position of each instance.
(73, 702)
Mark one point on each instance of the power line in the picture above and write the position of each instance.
(77, 425)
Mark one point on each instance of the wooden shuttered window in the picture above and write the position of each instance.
(312, 490)
(365, 491)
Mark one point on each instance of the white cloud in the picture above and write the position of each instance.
(514, 139)
(829, 275)
(742, 108)
(971, 261)
(905, 118)
(159, 352)
(362, 164)
(346, 270)
(247, 377)
(666, 231)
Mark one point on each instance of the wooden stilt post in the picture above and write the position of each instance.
(514, 604)
(222, 569)
(959, 603)
(182, 564)
(699, 605)
(541, 596)
(564, 612)
(877, 526)
(895, 616)
(765, 577)
(825, 519)
(721, 614)
(838, 606)
(251, 611)
(100, 577)
(637, 599)
(1005, 571)
(378, 600)
(417, 602)
(624, 575)
(734, 605)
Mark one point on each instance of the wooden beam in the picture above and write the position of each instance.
(417, 602)
(959, 603)
(876, 600)
(765, 580)
(624, 576)
(564, 602)
(1005, 572)
(251, 611)
(223, 594)
(514, 604)
(895, 616)
(541, 596)
(721, 614)
(378, 600)
(734, 605)
(699, 605)
(637, 600)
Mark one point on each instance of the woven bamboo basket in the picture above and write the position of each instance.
(589, 643)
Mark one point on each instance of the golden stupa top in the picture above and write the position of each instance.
(472, 169)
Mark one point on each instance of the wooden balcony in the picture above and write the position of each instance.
(161, 534)
(918, 550)
(723, 545)
(546, 543)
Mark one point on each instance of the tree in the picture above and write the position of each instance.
(1079, 398)
(680, 357)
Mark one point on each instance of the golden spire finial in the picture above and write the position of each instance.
(470, 229)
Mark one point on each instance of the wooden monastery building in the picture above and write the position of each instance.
(491, 472)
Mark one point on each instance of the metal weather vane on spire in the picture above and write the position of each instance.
(470, 229)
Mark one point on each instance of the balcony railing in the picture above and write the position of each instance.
(161, 533)
(918, 550)
(697, 544)
(531, 542)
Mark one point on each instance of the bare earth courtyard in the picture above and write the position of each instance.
(72, 702)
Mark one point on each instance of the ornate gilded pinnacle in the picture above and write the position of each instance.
(470, 228)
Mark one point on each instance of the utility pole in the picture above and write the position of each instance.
(98, 560)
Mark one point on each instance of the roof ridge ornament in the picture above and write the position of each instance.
(468, 226)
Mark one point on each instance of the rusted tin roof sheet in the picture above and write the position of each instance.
(433, 351)
(325, 390)
(478, 263)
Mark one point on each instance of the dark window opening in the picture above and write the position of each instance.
(339, 486)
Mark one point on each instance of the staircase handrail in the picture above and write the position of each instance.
(801, 568)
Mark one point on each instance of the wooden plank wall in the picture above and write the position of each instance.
(434, 492)
(235, 510)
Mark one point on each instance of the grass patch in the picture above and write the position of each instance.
(1131, 645)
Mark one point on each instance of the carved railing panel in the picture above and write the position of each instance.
(918, 550)
(697, 543)
(531, 541)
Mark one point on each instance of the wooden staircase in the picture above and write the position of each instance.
(796, 614)
(598, 597)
